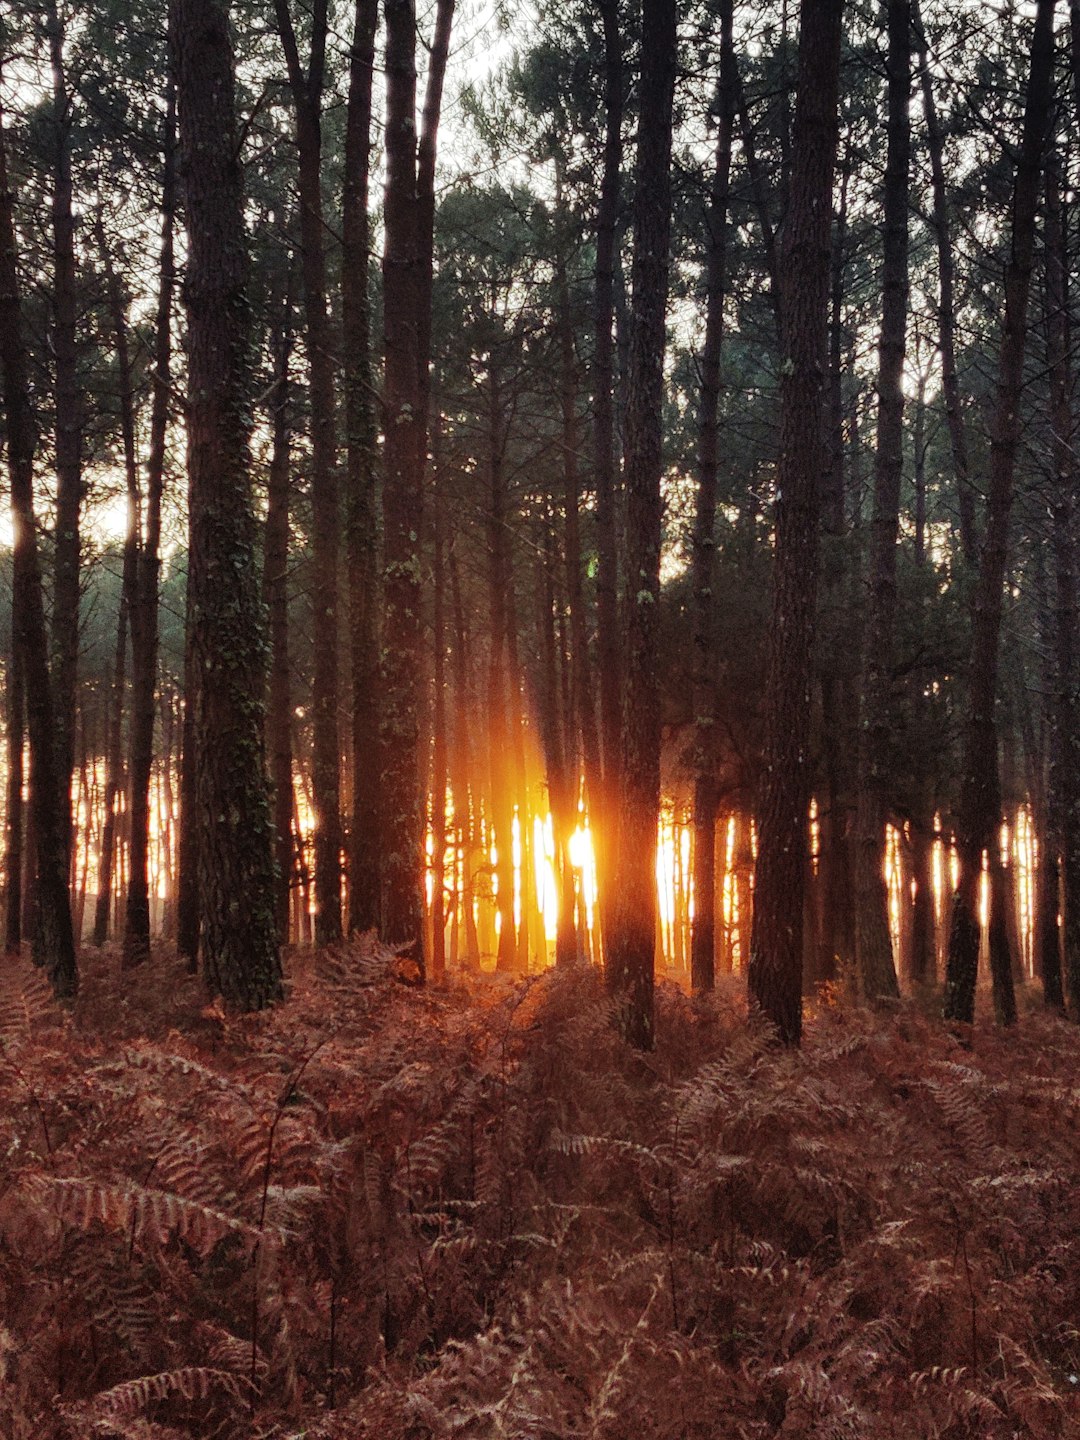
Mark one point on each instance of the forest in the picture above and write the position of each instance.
(540, 754)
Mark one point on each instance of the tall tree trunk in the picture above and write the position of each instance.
(559, 787)
(588, 739)
(776, 946)
(605, 806)
(440, 760)
(53, 941)
(144, 613)
(877, 975)
(187, 864)
(980, 795)
(703, 577)
(275, 590)
(13, 815)
(950, 381)
(307, 93)
(361, 523)
(241, 960)
(1065, 750)
(114, 762)
(634, 905)
(68, 402)
(465, 806)
(402, 815)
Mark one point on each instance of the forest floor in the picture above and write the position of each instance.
(379, 1213)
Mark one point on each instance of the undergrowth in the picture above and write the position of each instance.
(378, 1213)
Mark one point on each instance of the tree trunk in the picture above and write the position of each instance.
(630, 953)
(307, 94)
(776, 946)
(1065, 748)
(275, 591)
(605, 806)
(950, 381)
(66, 591)
(703, 577)
(877, 975)
(144, 613)
(13, 849)
(980, 799)
(187, 880)
(53, 941)
(403, 458)
(241, 959)
(361, 523)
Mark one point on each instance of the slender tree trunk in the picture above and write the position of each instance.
(241, 959)
(440, 758)
(65, 610)
(605, 806)
(361, 521)
(403, 458)
(13, 848)
(630, 950)
(187, 880)
(584, 706)
(950, 380)
(144, 612)
(776, 946)
(465, 806)
(114, 764)
(877, 975)
(1065, 750)
(275, 589)
(53, 941)
(703, 578)
(980, 797)
(307, 93)
(559, 788)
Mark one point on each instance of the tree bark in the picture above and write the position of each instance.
(776, 946)
(361, 521)
(307, 94)
(275, 592)
(605, 806)
(950, 380)
(630, 950)
(68, 403)
(980, 797)
(703, 576)
(877, 974)
(53, 941)
(144, 612)
(241, 960)
(1064, 838)
(403, 459)
(13, 815)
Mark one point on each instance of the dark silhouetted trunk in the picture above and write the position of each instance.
(980, 795)
(13, 814)
(241, 960)
(776, 948)
(950, 381)
(144, 611)
(275, 591)
(53, 942)
(873, 945)
(630, 951)
(307, 94)
(361, 523)
(703, 577)
(1064, 839)
(114, 733)
(605, 806)
(68, 402)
